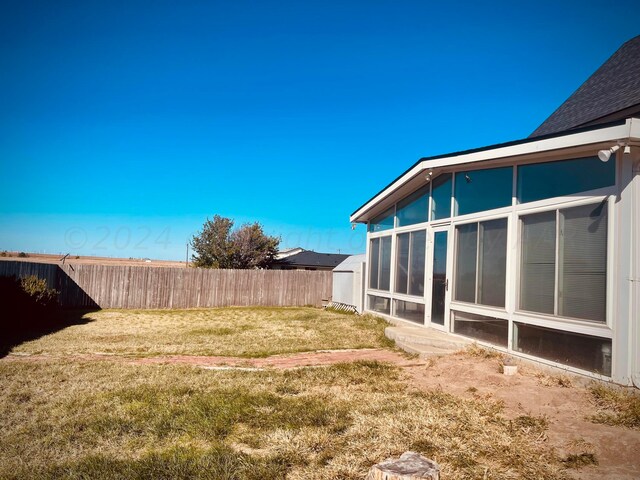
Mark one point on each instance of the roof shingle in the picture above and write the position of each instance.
(612, 92)
(309, 258)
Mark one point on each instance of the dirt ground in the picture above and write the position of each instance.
(47, 258)
(562, 400)
(532, 392)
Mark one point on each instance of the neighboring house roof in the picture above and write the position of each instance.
(308, 258)
(611, 93)
(288, 252)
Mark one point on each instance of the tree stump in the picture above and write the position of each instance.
(410, 466)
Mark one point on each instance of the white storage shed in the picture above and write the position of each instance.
(348, 282)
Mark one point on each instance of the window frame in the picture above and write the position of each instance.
(409, 267)
(513, 212)
(378, 291)
(455, 304)
(555, 321)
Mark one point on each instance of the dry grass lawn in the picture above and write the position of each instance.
(240, 332)
(79, 419)
(108, 420)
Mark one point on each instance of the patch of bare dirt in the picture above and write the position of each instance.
(306, 359)
(563, 402)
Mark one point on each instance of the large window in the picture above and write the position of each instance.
(488, 329)
(479, 190)
(582, 351)
(380, 263)
(441, 190)
(382, 222)
(481, 262)
(538, 181)
(379, 304)
(466, 262)
(410, 263)
(538, 263)
(414, 208)
(409, 311)
(563, 267)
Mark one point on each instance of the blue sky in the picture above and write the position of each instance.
(124, 125)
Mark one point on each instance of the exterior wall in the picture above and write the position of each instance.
(624, 247)
(623, 266)
(348, 286)
(635, 274)
(343, 287)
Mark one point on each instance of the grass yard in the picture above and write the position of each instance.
(240, 332)
(82, 420)
(64, 418)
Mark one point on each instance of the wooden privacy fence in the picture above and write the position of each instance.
(108, 286)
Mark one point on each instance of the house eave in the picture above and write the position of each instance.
(413, 178)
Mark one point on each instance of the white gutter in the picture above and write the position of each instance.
(630, 130)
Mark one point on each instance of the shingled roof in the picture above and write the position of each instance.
(611, 93)
(308, 258)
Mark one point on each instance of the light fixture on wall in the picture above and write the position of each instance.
(605, 155)
(429, 175)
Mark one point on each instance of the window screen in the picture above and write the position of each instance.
(402, 263)
(410, 263)
(374, 262)
(481, 262)
(416, 277)
(580, 234)
(583, 265)
(465, 287)
(385, 263)
(380, 263)
(538, 266)
(492, 262)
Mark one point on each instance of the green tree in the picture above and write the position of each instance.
(218, 245)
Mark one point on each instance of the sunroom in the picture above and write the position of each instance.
(529, 247)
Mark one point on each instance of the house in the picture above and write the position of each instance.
(530, 246)
(308, 260)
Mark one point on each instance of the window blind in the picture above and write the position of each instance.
(538, 267)
(583, 265)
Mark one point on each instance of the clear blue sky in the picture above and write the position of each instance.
(123, 125)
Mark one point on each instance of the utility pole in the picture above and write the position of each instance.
(186, 262)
